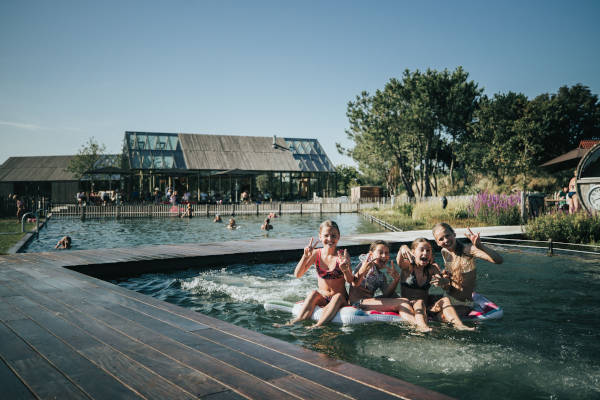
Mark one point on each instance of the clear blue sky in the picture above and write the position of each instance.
(70, 70)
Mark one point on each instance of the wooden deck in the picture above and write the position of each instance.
(66, 335)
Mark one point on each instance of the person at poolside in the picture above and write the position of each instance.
(459, 261)
(231, 224)
(563, 203)
(266, 226)
(217, 218)
(64, 243)
(333, 271)
(572, 196)
(418, 274)
(369, 277)
(188, 211)
(20, 208)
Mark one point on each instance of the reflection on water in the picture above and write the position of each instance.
(111, 233)
(546, 346)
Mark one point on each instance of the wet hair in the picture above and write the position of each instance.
(378, 243)
(68, 239)
(415, 243)
(329, 224)
(458, 247)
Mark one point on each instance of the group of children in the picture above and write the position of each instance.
(416, 273)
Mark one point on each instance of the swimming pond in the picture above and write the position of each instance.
(112, 233)
(545, 346)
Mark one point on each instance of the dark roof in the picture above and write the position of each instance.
(36, 169)
(251, 153)
(202, 152)
(574, 154)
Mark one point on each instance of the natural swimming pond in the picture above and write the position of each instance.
(545, 347)
(111, 233)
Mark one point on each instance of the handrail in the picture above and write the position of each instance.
(386, 225)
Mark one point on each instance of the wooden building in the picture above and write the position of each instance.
(221, 167)
(43, 176)
(209, 167)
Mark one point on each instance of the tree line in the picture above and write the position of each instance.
(436, 125)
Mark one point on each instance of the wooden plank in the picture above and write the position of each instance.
(12, 387)
(238, 378)
(335, 381)
(88, 336)
(41, 377)
(94, 381)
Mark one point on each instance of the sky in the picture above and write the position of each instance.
(71, 70)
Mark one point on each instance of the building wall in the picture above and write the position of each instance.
(64, 192)
(6, 188)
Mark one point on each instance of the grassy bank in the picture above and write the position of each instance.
(424, 215)
(10, 225)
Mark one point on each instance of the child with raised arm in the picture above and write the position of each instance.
(418, 273)
(459, 261)
(333, 271)
(369, 277)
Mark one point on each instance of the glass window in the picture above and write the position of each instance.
(135, 160)
(168, 163)
(132, 142)
(299, 147)
(146, 161)
(158, 162)
(152, 142)
(173, 142)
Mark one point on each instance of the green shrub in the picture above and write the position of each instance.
(405, 209)
(562, 227)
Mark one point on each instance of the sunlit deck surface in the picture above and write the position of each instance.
(66, 335)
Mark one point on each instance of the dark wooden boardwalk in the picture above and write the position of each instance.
(67, 335)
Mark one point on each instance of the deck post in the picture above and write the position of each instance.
(256, 208)
(300, 208)
(340, 207)
(550, 249)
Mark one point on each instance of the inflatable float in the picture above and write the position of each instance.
(483, 310)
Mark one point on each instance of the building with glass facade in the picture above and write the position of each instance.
(220, 167)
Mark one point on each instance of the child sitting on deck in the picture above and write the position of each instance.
(333, 271)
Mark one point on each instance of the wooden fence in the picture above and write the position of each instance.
(165, 210)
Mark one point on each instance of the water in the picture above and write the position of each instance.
(545, 347)
(111, 233)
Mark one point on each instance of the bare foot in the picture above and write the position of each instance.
(464, 328)
(315, 326)
(290, 323)
(424, 329)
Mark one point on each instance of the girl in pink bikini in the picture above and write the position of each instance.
(333, 271)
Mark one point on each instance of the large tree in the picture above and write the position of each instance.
(85, 159)
(406, 131)
(506, 137)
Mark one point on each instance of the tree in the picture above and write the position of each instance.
(406, 131)
(506, 137)
(566, 118)
(85, 159)
(348, 176)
